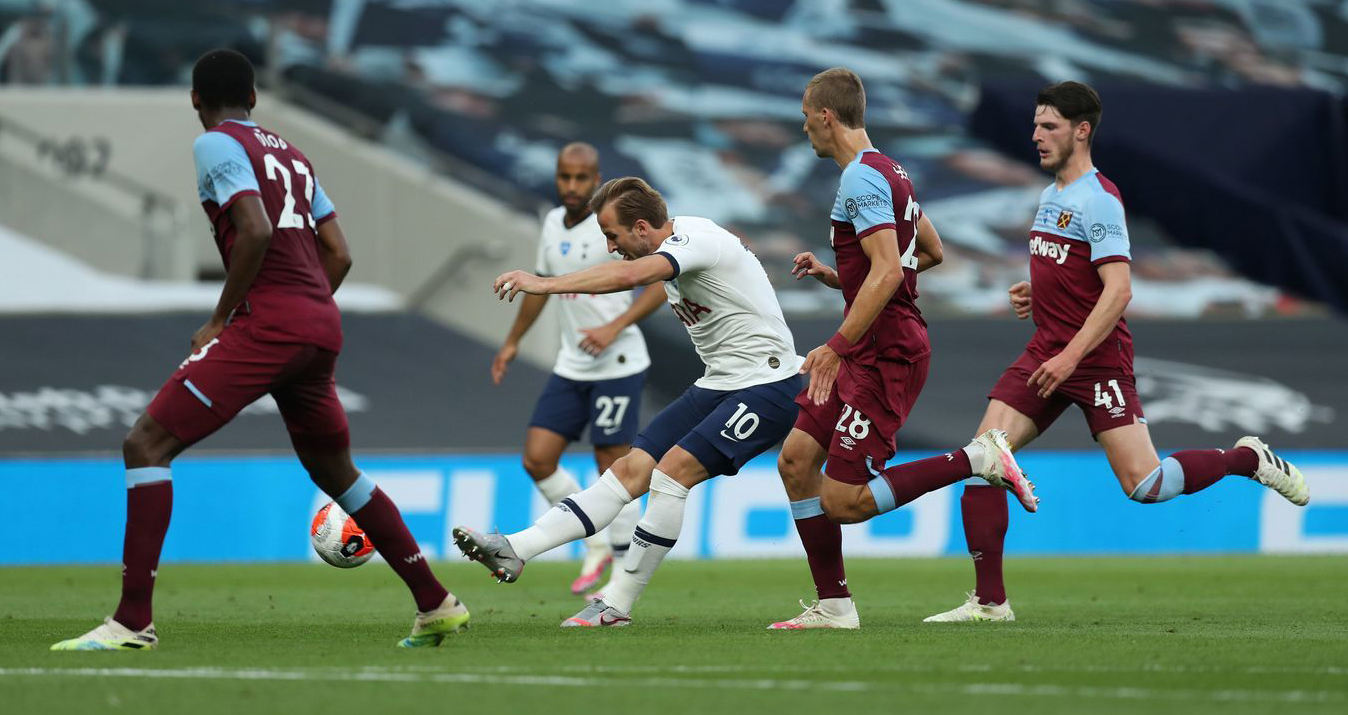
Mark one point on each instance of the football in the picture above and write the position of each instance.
(337, 538)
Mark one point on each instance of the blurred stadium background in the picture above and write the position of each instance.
(434, 125)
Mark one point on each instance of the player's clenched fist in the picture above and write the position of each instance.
(510, 283)
(1020, 299)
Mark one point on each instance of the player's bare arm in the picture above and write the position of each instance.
(1019, 295)
(597, 339)
(610, 277)
(1117, 278)
(806, 264)
(530, 308)
(882, 248)
(929, 253)
(252, 235)
(333, 253)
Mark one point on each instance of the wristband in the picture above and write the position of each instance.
(839, 344)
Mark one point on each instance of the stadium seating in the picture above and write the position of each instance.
(496, 90)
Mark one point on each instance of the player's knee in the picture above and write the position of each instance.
(539, 468)
(138, 450)
(842, 508)
(627, 470)
(1130, 476)
(635, 477)
(682, 466)
(793, 469)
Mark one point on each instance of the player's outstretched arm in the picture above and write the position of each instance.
(597, 339)
(252, 235)
(608, 277)
(530, 308)
(333, 252)
(929, 251)
(1114, 298)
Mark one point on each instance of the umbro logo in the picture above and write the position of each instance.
(414, 558)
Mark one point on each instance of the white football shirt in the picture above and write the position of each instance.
(564, 250)
(722, 294)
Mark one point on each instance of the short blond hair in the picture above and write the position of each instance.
(632, 199)
(840, 90)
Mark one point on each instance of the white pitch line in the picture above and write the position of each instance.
(536, 679)
(896, 668)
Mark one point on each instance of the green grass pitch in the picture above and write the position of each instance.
(1155, 635)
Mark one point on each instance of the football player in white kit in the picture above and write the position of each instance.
(742, 405)
(601, 366)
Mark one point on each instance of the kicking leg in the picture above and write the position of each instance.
(575, 517)
(542, 460)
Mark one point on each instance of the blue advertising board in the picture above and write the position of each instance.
(259, 509)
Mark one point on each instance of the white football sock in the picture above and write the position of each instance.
(653, 537)
(837, 606)
(576, 516)
(558, 486)
(976, 453)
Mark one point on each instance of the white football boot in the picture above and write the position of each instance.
(999, 468)
(430, 628)
(1277, 473)
(829, 613)
(112, 636)
(972, 610)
